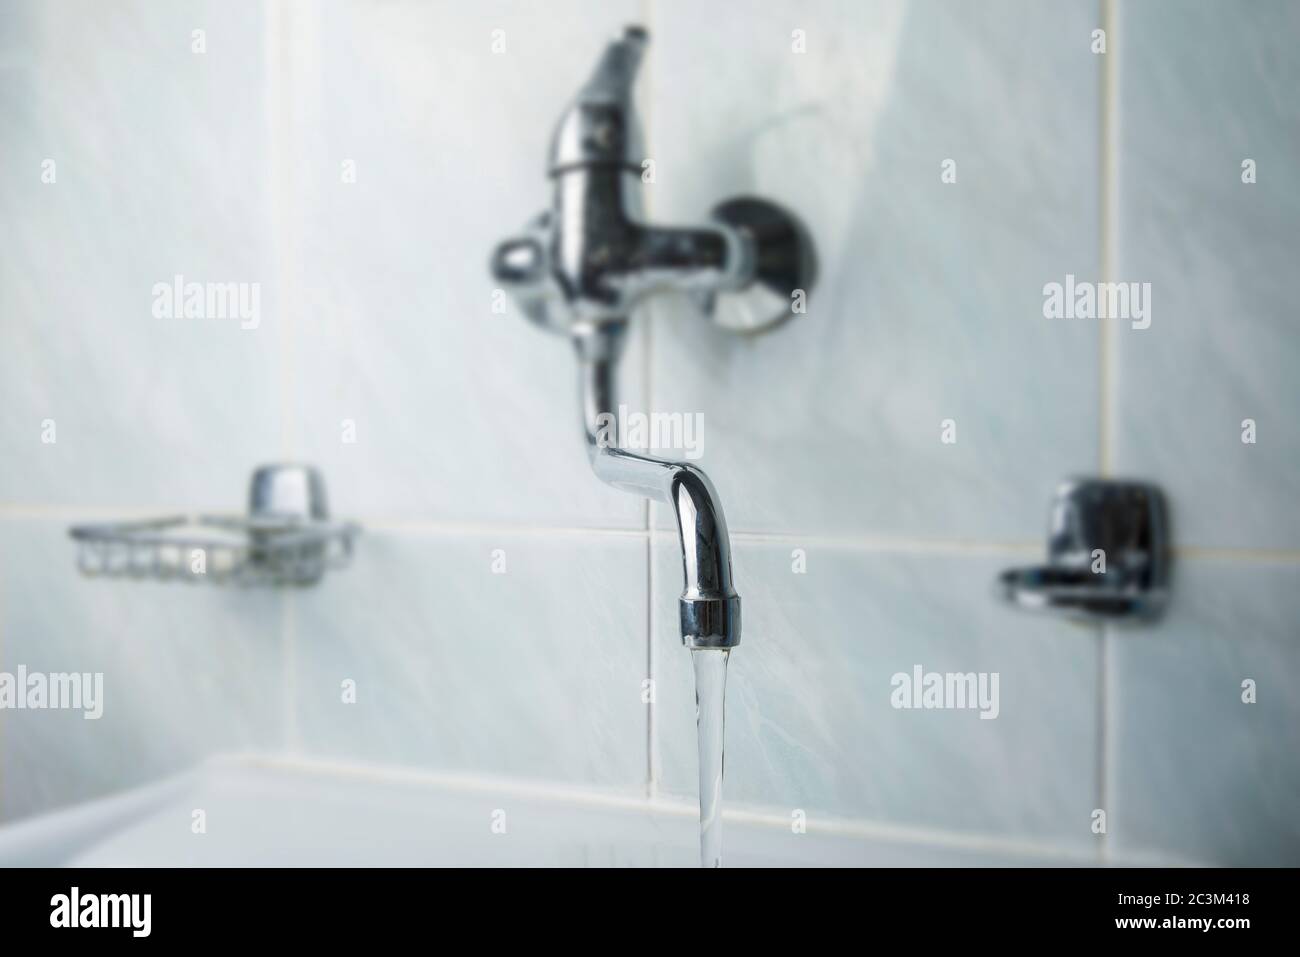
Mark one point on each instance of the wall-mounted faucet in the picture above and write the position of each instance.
(582, 267)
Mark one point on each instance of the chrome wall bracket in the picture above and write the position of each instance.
(785, 267)
(286, 538)
(1107, 555)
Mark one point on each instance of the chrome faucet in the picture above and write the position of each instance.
(583, 266)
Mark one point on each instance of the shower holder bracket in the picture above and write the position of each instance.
(1107, 555)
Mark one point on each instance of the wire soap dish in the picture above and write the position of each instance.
(287, 538)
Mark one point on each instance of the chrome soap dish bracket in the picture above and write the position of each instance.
(1107, 555)
(286, 538)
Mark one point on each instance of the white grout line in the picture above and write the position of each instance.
(857, 543)
(852, 543)
(1109, 398)
(1281, 555)
(647, 392)
(881, 543)
(1107, 774)
(651, 739)
(279, 83)
(453, 528)
(1101, 768)
(1107, 225)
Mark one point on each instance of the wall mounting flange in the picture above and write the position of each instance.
(785, 266)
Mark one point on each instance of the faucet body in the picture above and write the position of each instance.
(590, 259)
(584, 265)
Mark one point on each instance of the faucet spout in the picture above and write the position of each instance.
(709, 608)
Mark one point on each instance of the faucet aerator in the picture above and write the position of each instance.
(710, 622)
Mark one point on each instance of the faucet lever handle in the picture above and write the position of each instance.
(615, 72)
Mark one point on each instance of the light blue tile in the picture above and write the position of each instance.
(930, 302)
(161, 168)
(1194, 769)
(1202, 87)
(459, 412)
(535, 672)
(19, 26)
(810, 722)
(189, 670)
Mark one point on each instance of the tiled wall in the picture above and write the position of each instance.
(823, 436)
(161, 166)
